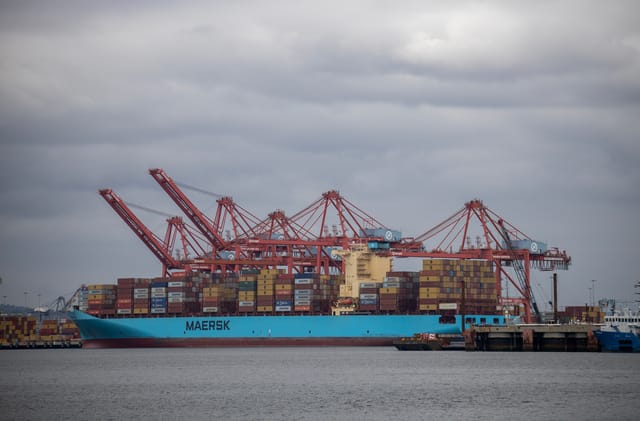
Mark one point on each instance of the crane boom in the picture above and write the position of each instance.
(148, 238)
(201, 222)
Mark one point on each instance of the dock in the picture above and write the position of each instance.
(42, 344)
(532, 337)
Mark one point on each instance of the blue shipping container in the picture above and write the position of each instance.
(283, 302)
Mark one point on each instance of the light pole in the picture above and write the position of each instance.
(593, 288)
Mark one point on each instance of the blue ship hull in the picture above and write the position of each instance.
(612, 341)
(184, 331)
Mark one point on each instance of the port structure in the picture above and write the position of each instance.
(500, 242)
(236, 239)
(162, 249)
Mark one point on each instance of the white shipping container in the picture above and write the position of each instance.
(102, 292)
(302, 302)
(303, 281)
(158, 310)
(175, 284)
(369, 285)
(158, 295)
(368, 296)
(175, 294)
(175, 300)
(141, 290)
(140, 296)
(123, 311)
(448, 306)
(245, 303)
(158, 289)
(209, 309)
(283, 308)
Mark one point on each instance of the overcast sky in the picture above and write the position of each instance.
(409, 109)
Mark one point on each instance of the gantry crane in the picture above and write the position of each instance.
(237, 239)
(500, 242)
(199, 219)
(162, 249)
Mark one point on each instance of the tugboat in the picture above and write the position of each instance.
(419, 342)
(431, 342)
(620, 332)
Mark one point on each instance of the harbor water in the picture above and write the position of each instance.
(325, 383)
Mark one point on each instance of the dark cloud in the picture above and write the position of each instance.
(409, 110)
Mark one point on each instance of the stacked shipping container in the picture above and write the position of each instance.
(16, 329)
(441, 283)
(264, 290)
(22, 330)
(369, 294)
(158, 302)
(102, 299)
(247, 291)
(69, 330)
(283, 293)
(436, 289)
(398, 292)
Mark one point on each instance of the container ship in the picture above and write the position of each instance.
(266, 307)
(308, 279)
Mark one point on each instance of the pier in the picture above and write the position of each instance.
(42, 344)
(532, 337)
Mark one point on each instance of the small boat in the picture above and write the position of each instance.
(419, 342)
(620, 332)
(430, 342)
(453, 342)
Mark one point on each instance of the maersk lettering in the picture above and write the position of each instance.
(207, 325)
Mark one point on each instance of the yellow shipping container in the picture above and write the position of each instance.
(264, 308)
(140, 311)
(428, 307)
(389, 290)
(430, 278)
(428, 292)
(101, 286)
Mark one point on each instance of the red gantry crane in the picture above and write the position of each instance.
(499, 242)
(304, 241)
(162, 249)
(199, 219)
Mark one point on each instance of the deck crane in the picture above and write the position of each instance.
(159, 248)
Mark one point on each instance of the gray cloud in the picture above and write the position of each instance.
(409, 109)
